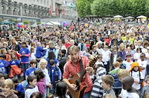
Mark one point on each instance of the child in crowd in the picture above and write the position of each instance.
(3, 64)
(7, 90)
(30, 71)
(43, 66)
(106, 53)
(55, 75)
(128, 61)
(1, 81)
(122, 65)
(36, 95)
(32, 86)
(137, 54)
(117, 86)
(116, 68)
(41, 83)
(61, 90)
(145, 89)
(97, 90)
(62, 59)
(136, 73)
(129, 91)
(24, 55)
(143, 63)
(107, 82)
(18, 88)
(14, 64)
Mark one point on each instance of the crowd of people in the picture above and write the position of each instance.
(37, 62)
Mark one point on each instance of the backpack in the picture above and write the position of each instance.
(117, 83)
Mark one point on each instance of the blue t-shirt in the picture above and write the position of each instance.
(3, 64)
(14, 62)
(19, 88)
(30, 71)
(26, 52)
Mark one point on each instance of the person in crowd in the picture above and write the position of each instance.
(7, 89)
(43, 66)
(18, 88)
(136, 73)
(145, 89)
(55, 75)
(1, 81)
(129, 91)
(107, 82)
(128, 61)
(32, 86)
(41, 83)
(30, 71)
(36, 95)
(24, 54)
(72, 67)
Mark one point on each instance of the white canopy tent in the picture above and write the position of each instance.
(141, 16)
(118, 16)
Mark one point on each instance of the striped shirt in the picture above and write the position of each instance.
(97, 90)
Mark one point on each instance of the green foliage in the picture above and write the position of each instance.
(38, 23)
(113, 7)
(26, 22)
(83, 7)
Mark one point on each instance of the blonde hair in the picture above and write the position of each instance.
(42, 61)
(123, 73)
(74, 48)
(8, 83)
(116, 64)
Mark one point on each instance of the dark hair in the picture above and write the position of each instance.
(15, 80)
(52, 62)
(3, 56)
(61, 89)
(39, 74)
(51, 55)
(139, 49)
(63, 51)
(119, 59)
(36, 95)
(30, 78)
(33, 62)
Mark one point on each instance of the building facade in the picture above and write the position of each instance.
(35, 9)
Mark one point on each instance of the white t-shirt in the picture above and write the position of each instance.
(106, 55)
(137, 56)
(143, 64)
(128, 65)
(125, 94)
(136, 77)
(29, 92)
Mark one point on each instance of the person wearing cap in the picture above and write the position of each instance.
(128, 91)
(135, 72)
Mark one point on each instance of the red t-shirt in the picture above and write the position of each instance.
(71, 70)
(67, 45)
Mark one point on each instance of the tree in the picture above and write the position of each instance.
(83, 7)
(121, 7)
